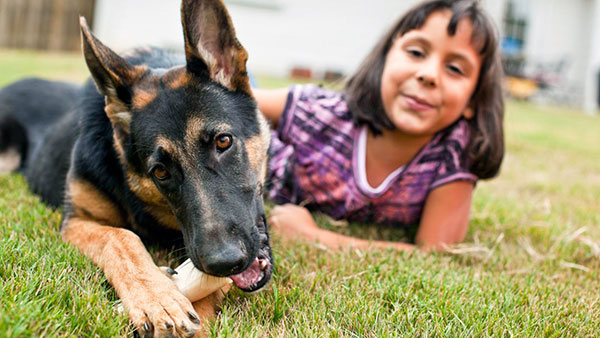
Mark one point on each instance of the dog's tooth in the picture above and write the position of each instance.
(263, 264)
(262, 275)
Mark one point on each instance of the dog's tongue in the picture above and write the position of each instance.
(249, 277)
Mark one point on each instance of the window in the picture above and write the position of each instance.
(515, 29)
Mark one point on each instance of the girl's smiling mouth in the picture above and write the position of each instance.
(416, 104)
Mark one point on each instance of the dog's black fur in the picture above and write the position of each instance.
(167, 146)
(34, 103)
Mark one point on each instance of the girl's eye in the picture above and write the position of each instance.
(160, 172)
(415, 52)
(223, 142)
(455, 69)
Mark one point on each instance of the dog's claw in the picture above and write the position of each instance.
(187, 332)
(148, 331)
(194, 318)
(168, 271)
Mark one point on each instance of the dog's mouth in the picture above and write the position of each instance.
(258, 274)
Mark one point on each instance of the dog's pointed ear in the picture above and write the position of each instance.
(113, 76)
(211, 46)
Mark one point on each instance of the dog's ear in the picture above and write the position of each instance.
(113, 76)
(211, 46)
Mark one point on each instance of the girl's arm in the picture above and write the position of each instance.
(445, 217)
(293, 221)
(271, 102)
(445, 221)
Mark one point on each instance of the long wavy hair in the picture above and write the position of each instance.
(485, 150)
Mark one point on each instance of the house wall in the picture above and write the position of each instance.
(126, 24)
(560, 30)
(318, 34)
(592, 75)
(337, 34)
(291, 33)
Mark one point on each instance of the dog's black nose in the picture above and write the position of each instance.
(227, 262)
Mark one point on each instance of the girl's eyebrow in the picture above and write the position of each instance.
(460, 56)
(420, 40)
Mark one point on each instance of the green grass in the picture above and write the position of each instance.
(16, 64)
(529, 267)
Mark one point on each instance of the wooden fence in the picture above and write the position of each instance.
(43, 24)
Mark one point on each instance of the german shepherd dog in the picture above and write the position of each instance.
(159, 148)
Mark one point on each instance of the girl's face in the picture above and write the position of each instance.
(429, 76)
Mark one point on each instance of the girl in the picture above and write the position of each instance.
(404, 143)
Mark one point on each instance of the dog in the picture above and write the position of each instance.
(157, 148)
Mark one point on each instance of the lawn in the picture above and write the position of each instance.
(530, 265)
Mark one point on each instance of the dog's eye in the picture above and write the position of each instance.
(160, 172)
(223, 142)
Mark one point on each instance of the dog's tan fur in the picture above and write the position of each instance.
(177, 78)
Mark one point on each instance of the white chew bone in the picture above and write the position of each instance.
(195, 284)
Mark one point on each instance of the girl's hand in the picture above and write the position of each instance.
(293, 222)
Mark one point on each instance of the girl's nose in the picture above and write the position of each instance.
(428, 73)
(427, 80)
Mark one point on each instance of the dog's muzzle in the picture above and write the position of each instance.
(258, 274)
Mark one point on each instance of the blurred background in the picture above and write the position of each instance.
(550, 48)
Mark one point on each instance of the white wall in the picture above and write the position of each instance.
(495, 9)
(591, 77)
(560, 29)
(123, 24)
(319, 34)
(334, 34)
(337, 34)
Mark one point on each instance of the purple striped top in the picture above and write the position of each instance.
(318, 159)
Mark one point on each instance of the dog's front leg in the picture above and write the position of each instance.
(154, 304)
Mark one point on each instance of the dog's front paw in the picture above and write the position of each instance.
(157, 309)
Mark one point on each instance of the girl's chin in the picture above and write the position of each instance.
(410, 123)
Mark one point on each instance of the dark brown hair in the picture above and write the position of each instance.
(485, 150)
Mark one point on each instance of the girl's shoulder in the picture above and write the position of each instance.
(445, 156)
(454, 137)
(317, 99)
(311, 109)
(311, 91)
